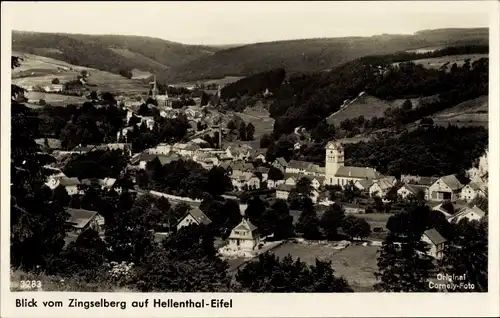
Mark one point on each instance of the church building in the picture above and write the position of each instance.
(338, 174)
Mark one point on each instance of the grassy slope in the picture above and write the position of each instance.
(39, 70)
(96, 50)
(367, 106)
(437, 62)
(472, 112)
(313, 54)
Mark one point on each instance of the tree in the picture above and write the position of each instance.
(55, 81)
(272, 274)
(93, 95)
(265, 141)
(277, 221)
(308, 224)
(356, 227)
(250, 130)
(184, 262)
(42, 102)
(218, 181)
(38, 224)
(243, 131)
(403, 267)
(331, 220)
(275, 174)
(467, 254)
(254, 210)
(481, 202)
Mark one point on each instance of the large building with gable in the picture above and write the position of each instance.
(336, 173)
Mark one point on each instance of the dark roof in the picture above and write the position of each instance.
(357, 172)
(285, 187)
(296, 164)
(281, 161)
(69, 181)
(452, 182)
(426, 181)
(263, 169)
(295, 215)
(434, 236)
(246, 225)
(365, 183)
(199, 216)
(79, 218)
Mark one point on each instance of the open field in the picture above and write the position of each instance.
(470, 113)
(259, 117)
(218, 81)
(54, 99)
(368, 107)
(355, 263)
(40, 71)
(437, 62)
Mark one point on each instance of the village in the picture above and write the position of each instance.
(252, 176)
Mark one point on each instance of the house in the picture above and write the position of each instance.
(472, 190)
(70, 184)
(242, 167)
(271, 184)
(447, 212)
(381, 187)
(259, 154)
(125, 147)
(245, 237)
(186, 149)
(239, 152)
(471, 214)
(264, 171)
(337, 173)
(424, 181)
(298, 167)
(194, 216)
(316, 170)
(123, 133)
(363, 185)
(82, 220)
(283, 191)
(160, 149)
(436, 243)
(109, 184)
(49, 144)
(317, 182)
(445, 188)
(409, 189)
(292, 180)
(201, 142)
(280, 163)
(297, 145)
(241, 179)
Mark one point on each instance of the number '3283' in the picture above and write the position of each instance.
(30, 284)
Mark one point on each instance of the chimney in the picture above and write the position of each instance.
(350, 173)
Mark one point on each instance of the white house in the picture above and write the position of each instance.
(271, 184)
(337, 173)
(381, 187)
(244, 238)
(280, 163)
(160, 149)
(317, 182)
(471, 191)
(292, 181)
(240, 179)
(471, 214)
(436, 243)
(70, 184)
(409, 189)
(194, 216)
(445, 188)
(264, 172)
(298, 167)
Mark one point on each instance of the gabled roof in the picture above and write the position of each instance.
(285, 187)
(385, 183)
(357, 172)
(426, 181)
(334, 144)
(452, 182)
(365, 183)
(263, 170)
(475, 209)
(199, 216)
(281, 161)
(296, 164)
(435, 237)
(79, 218)
(245, 224)
(475, 186)
(66, 182)
(414, 188)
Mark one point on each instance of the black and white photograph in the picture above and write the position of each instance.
(248, 147)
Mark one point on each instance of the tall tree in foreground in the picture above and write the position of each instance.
(38, 224)
(467, 254)
(403, 263)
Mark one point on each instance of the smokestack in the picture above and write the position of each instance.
(220, 136)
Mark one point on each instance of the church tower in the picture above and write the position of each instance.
(334, 159)
(154, 89)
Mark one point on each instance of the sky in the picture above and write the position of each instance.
(244, 22)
